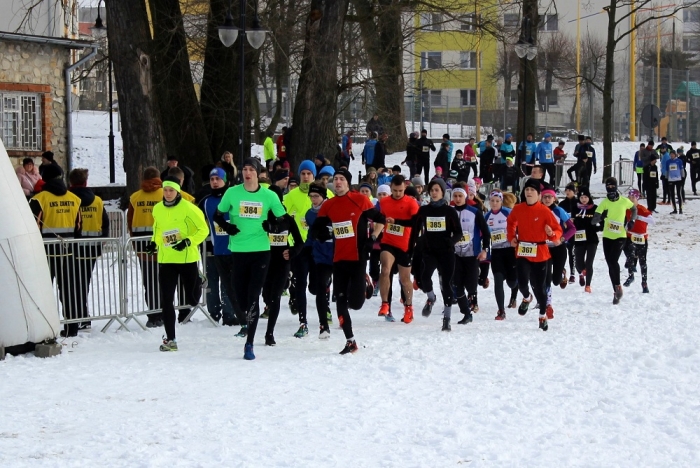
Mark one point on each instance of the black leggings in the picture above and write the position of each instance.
(423, 165)
(557, 264)
(248, 279)
(472, 166)
(374, 265)
(466, 276)
(570, 251)
(224, 265)
(188, 273)
(551, 170)
(444, 262)
(535, 274)
(676, 188)
(319, 283)
(612, 249)
(635, 252)
(504, 268)
(349, 285)
(275, 280)
(300, 269)
(585, 254)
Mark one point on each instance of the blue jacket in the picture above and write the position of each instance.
(528, 146)
(384, 178)
(545, 153)
(674, 169)
(217, 236)
(637, 162)
(368, 152)
(506, 150)
(322, 252)
(450, 151)
(664, 168)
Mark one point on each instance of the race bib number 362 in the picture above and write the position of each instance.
(436, 224)
(343, 230)
(248, 209)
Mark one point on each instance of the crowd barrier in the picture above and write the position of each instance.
(111, 279)
(623, 171)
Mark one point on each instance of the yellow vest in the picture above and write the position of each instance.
(91, 222)
(58, 213)
(143, 203)
(186, 196)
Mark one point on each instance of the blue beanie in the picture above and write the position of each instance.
(218, 172)
(548, 135)
(327, 170)
(508, 136)
(307, 165)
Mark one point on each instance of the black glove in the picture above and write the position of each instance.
(151, 248)
(323, 235)
(231, 229)
(266, 226)
(630, 225)
(182, 245)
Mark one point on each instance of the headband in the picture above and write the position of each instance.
(496, 194)
(172, 185)
(459, 190)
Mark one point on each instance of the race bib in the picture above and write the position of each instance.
(171, 237)
(672, 167)
(498, 236)
(304, 225)
(696, 155)
(614, 226)
(526, 249)
(343, 230)
(589, 154)
(436, 224)
(638, 239)
(580, 236)
(528, 152)
(279, 240)
(394, 229)
(283, 149)
(426, 149)
(652, 174)
(218, 231)
(466, 239)
(547, 155)
(249, 209)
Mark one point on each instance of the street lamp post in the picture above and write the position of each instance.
(101, 31)
(256, 36)
(526, 50)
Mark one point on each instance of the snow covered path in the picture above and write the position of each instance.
(613, 386)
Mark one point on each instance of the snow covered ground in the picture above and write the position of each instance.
(610, 386)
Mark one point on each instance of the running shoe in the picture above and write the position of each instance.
(550, 312)
(501, 315)
(582, 278)
(270, 340)
(408, 314)
(572, 278)
(466, 319)
(329, 316)
(369, 288)
(486, 283)
(588, 289)
(376, 290)
(243, 332)
(543, 323)
(428, 308)
(446, 324)
(645, 289)
(168, 345)
(324, 333)
(302, 332)
(265, 314)
(389, 317)
(384, 309)
(350, 347)
(248, 354)
(618, 294)
(524, 305)
(630, 280)
(564, 281)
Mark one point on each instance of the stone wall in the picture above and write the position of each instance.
(38, 68)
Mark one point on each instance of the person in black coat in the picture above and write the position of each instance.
(188, 183)
(442, 159)
(650, 182)
(459, 164)
(425, 145)
(486, 162)
(412, 152)
(47, 160)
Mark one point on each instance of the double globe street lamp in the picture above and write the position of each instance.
(228, 33)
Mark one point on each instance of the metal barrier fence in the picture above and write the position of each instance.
(111, 279)
(560, 169)
(623, 171)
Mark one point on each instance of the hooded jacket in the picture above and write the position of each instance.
(27, 180)
(586, 231)
(56, 210)
(139, 215)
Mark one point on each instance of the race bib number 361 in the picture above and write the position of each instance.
(436, 224)
(249, 209)
(343, 230)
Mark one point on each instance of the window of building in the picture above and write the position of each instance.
(691, 15)
(98, 85)
(467, 97)
(467, 60)
(551, 100)
(549, 23)
(691, 44)
(513, 95)
(431, 21)
(20, 121)
(511, 21)
(468, 22)
(435, 97)
(430, 60)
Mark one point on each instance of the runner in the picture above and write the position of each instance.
(675, 176)
(399, 211)
(586, 237)
(441, 230)
(530, 226)
(637, 242)
(348, 213)
(612, 211)
(473, 247)
(248, 207)
(178, 229)
(503, 261)
(569, 204)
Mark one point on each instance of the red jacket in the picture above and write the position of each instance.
(526, 223)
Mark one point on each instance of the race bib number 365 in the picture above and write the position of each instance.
(436, 224)
(525, 249)
(343, 230)
(249, 209)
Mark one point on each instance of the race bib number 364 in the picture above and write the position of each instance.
(249, 209)
(343, 230)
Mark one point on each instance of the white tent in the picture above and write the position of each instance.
(28, 312)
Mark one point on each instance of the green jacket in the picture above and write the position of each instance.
(269, 149)
(297, 204)
(174, 223)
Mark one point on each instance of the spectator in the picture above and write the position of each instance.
(470, 157)
(28, 175)
(229, 167)
(47, 160)
(268, 147)
(346, 149)
(380, 151)
(371, 179)
(487, 155)
(412, 152)
(368, 152)
(442, 159)
(188, 178)
(281, 147)
(450, 147)
(375, 125)
(460, 165)
(425, 145)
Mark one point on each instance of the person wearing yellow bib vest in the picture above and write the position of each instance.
(57, 213)
(139, 220)
(178, 229)
(94, 224)
(179, 174)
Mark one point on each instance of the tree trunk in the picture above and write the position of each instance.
(608, 92)
(528, 82)
(314, 130)
(282, 49)
(383, 41)
(219, 99)
(129, 38)
(183, 127)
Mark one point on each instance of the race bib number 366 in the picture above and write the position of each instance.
(436, 224)
(525, 249)
(343, 230)
(249, 209)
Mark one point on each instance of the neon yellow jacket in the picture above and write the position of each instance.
(269, 149)
(297, 204)
(174, 223)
